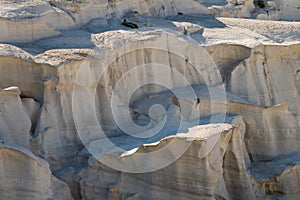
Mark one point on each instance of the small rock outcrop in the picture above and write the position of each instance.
(25, 176)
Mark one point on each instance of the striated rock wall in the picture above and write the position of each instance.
(25, 176)
(269, 65)
(261, 133)
(45, 19)
(11, 109)
(229, 123)
(268, 10)
(190, 177)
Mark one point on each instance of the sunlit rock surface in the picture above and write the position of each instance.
(25, 176)
(200, 102)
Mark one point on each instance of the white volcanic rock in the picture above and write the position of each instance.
(31, 108)
(236, 162)
(25, 176)
(34, 21)
(115, 39)
(283, 10)
(15, 124)
(55, 131)
(62, 56)
(276, 180)
(283, 33)
(10, 50)
(245, 77)
(273, 133)
(41, 19)
(25, 74)
(203, 179)
(272, 9)
(270, 131)
(270, 64)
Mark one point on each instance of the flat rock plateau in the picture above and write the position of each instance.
(150, 99)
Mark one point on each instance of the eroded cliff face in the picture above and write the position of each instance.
(203, 179)
(41, 19)
(194, 107)
(25, 176)
(259, 9)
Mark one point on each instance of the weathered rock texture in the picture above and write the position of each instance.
(235, 136)
(203, 179)
(25, 176)
(260, 9)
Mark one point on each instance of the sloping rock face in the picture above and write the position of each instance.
(11, 104)
(41, 19)
(25, 176)
(188, 106)
(260, 9)
(277, 180)
(190, 177)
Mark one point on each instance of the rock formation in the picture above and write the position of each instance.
(194, 104)
(25, 176)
